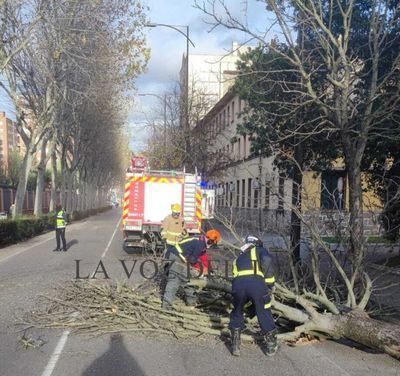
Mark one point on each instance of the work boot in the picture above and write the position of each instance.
(235, 337)
(271, 343)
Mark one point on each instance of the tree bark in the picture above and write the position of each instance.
(295, 221)
(355, 325)
(53, 190)
(356, 220)
(40, 181)
(23, 181)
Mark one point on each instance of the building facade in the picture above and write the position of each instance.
(9, 140)
(252, 187)
(211, 75)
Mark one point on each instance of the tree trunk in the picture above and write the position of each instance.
(53, 190)
(23, 180)
(355, 325)
(356, 222)
(38, 207)
(70, 192)
(63, 199)
(295, 221)
(40, 181)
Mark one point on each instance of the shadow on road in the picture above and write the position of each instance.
(116, 361)
(71, 243)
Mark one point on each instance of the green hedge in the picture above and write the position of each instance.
(22, 228)
(15, 230)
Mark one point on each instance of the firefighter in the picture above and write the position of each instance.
(173, 226)
(212, 237)
(61, 223)
(181, 258)
(253, 281)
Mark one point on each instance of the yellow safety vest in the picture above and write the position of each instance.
(254, 271)
(60, 219)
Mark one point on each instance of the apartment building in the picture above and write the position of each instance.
(246, 181)
(252, 184)
(9, 140)
(211, 75)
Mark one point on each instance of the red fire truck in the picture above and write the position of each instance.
(148, 197)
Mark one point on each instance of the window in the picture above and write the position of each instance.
(239, 146)
(243, 192)
(224, 118)
(244, 146)
(233, 111)
(228, 115)
(237, 193)
(231, 188)
(256, 195)
(267, 195)
(226, 194)
(281, 190)
(240, 105)
(333, 190)
(249, 193)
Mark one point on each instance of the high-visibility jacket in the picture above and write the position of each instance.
(257, 262)
(171, 229)
(61, 219)
(189, 250)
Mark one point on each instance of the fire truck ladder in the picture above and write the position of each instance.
(189, 201)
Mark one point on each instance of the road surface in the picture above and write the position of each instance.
(32, 268)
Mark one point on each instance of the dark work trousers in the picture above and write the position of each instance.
(60, 233)
(177, 278)
(251, 288)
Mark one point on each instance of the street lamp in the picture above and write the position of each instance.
(188, 40)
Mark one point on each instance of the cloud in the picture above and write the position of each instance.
(168, 46)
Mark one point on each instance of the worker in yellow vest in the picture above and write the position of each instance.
(253, 281)
(173, 226)
(61, 223)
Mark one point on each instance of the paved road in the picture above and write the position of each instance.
(31, 268)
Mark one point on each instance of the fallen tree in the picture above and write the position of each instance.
(101, 307)
(318, 317)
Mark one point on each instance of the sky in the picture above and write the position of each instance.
(167, 47)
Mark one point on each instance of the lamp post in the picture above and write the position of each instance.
(188, 40)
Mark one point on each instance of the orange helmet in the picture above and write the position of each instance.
(213, 235)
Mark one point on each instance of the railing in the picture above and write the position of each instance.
(7, 197)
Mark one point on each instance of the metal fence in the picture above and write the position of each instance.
(7, 197)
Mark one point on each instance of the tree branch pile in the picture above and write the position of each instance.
(99, 307)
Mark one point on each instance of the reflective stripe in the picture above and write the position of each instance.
(180, 252)
(174, 233)
(270, 280)
(234, 270)
(254, 271)
(185, 241)
(268, 305)
(60, 222)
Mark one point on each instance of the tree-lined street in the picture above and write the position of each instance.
(254, 230)
(31, 269)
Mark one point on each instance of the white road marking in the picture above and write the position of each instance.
(51, 365)
(112, 237)
(56, 354)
